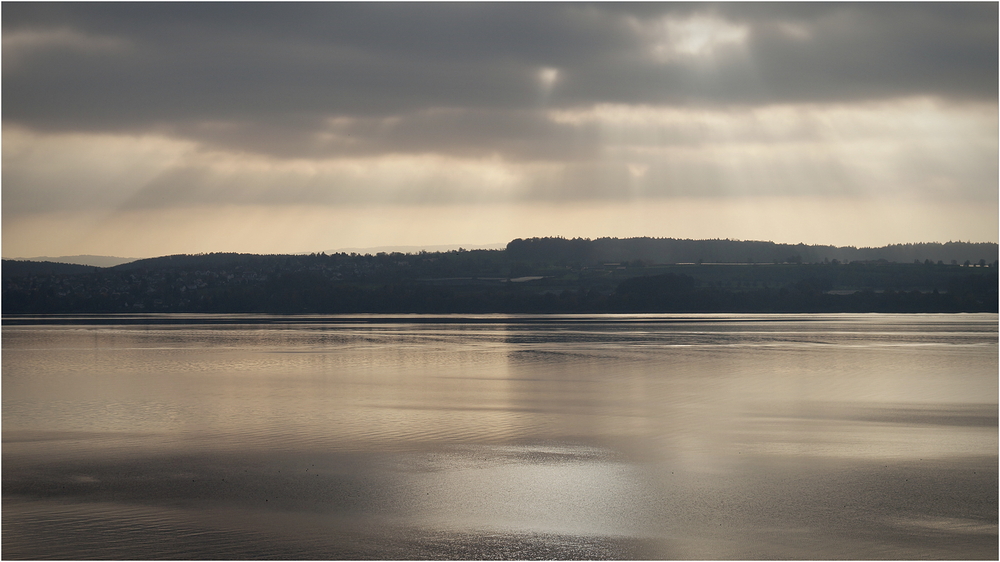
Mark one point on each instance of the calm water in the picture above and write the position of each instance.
(633, 436)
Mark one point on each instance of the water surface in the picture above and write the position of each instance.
(495, 436)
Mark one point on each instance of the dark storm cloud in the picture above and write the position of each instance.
(195, 61)
(882, 50)
(456, 78)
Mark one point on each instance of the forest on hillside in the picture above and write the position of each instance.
(534, 275)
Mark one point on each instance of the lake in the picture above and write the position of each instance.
(857, 436)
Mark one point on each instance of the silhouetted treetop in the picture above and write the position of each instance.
(672, 250)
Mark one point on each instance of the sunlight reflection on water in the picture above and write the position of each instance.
(690, 436)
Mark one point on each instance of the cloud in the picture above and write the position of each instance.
(295, 66)
(910, 148)
(916, 148)
(23, 43)
(49, 173)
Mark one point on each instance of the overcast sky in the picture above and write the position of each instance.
(149, 129)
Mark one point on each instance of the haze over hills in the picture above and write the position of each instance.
(96, 261)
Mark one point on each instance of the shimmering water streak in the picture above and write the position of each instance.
(683, 436)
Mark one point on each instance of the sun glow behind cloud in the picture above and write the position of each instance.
(693, 38)
(547, 78)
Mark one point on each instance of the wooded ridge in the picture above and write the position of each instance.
(533, 275)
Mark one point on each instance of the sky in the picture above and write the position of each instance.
(146, 129)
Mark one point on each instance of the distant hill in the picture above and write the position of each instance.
(96, 261)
